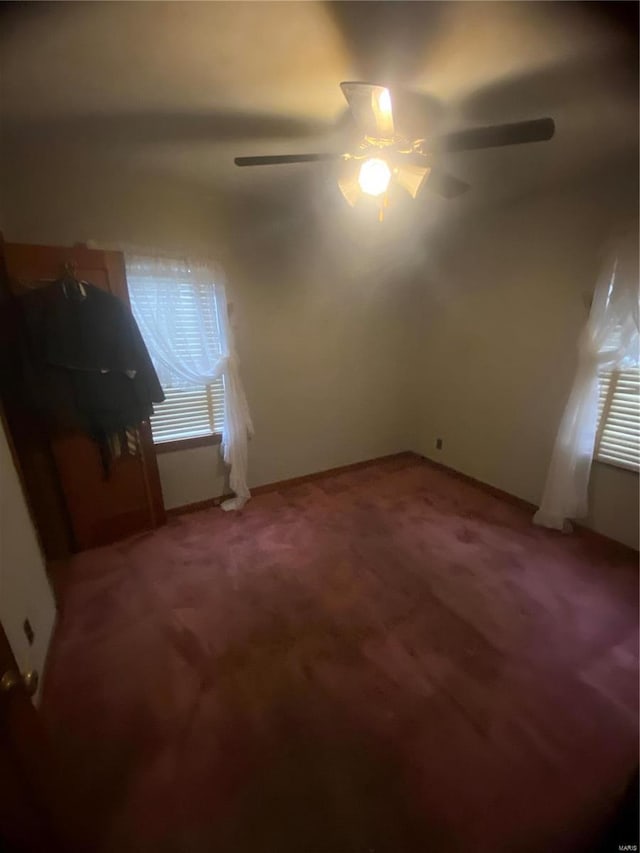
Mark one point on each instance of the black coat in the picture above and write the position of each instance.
(87, 362)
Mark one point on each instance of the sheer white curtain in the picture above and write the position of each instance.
(609, 340)
(173, 299)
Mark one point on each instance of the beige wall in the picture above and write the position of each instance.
(501, 307)
(24, 589)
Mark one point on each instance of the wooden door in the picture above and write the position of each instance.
(34, 808)
(75, 507)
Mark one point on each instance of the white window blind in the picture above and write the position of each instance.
(186, 412)
(189, 413)
(618, 435)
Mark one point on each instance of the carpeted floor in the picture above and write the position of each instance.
(388, 660)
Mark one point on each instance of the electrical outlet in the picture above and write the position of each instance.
(438, 444)
(28, 630)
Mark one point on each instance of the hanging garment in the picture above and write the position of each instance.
(87, 364)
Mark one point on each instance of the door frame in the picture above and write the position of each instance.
(35, 807)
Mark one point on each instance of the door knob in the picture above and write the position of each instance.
(11, 679)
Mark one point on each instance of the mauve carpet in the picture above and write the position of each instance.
(388, 660)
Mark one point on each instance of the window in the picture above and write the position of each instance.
(183, 311)
(618, 435)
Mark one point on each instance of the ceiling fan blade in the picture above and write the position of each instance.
(371, 108)
(277, 159)
(445, 185)
(518, 133)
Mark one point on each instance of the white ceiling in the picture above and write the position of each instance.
(180, 88)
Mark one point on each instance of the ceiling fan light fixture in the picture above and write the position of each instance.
(350, 189)
(410, 177)
(374, 176)
(384, 110)
(384, 101)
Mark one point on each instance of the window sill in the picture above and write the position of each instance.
(187, 443)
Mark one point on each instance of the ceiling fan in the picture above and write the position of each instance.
(381, 156)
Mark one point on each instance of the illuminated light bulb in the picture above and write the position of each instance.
(384, 102)
(374, 177)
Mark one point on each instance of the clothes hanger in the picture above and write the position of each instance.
(69, 282)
